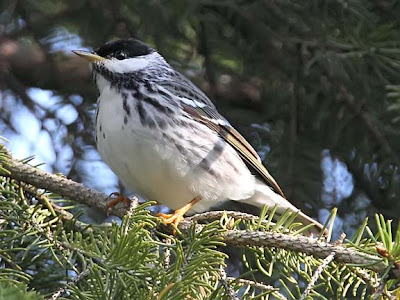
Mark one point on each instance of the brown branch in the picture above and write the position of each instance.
(56, 184)
(28, 62)
(65, 215)
(76, 191)
(306, 245)
(69, 74)
(204, 49)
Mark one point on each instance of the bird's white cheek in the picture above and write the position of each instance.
(126, 65)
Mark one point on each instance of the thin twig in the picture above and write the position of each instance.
(167, 254)
(258, 285)
(316, 275)
(320, 269)
(228, 288)
(74, 281)
(364, 275)
(380, 292)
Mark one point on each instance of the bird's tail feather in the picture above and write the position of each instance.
(265, 196)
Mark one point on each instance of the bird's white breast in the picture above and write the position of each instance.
(130, 151)
(168, 170)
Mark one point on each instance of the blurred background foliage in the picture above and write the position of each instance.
(312, 84)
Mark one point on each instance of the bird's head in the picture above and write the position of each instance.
(120, 56)
(116, 58)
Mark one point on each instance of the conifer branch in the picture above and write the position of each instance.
(230, 292)
(320, 269)
(305, 245)
(258, 285)
(57, 294)
(56, 184)
(76, 191)
(65, 215)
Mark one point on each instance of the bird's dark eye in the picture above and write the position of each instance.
(120, 55)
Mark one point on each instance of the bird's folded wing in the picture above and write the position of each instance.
(212, 119)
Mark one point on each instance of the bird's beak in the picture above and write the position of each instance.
(92, 57)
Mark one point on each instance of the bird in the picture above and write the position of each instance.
(164, 138)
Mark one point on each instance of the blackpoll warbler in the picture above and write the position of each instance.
(165, 139)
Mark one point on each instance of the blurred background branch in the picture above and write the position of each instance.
(313, 85)
(305, 83)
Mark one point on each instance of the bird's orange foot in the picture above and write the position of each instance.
(174, 218)
(177, 216)
(118, 198)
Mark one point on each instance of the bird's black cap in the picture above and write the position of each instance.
(122, 49)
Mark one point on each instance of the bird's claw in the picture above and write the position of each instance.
(174, 218)
(118, 198)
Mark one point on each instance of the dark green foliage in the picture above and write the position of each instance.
(297, 78)
(313, 75)
(41, 250)
(17, 292)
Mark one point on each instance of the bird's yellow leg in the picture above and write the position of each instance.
(177, 216)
